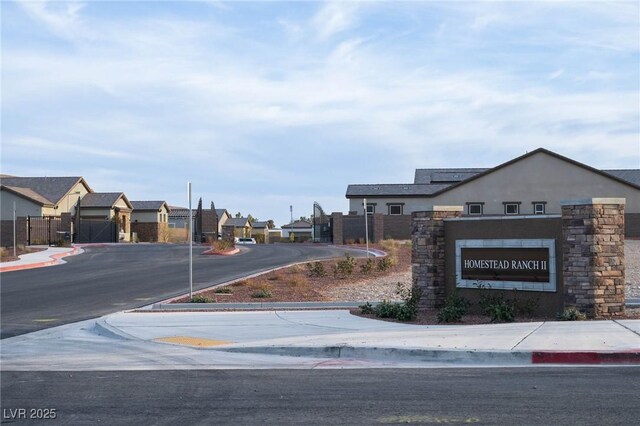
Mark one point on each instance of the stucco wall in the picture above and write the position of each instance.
(23, 207)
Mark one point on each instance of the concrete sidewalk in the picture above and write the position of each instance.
(338, 334)
(48, 257)
(310, 339)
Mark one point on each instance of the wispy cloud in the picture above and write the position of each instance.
(253, 101)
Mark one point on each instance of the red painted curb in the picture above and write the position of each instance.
(55, 259)
(583, 357)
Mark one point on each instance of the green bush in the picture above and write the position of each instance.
(344, 267)
(406, 310)
(367, 267)
(495, 305)
(316, 269)
(263, 293)
(223, 290)
(202, 299)
(571, 314)
(385, 264)
(367, 309)
(455, 306)
(526, 307)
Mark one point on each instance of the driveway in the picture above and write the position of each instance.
(112, 278)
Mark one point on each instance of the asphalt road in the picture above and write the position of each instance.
(108, 279)
(525, 396)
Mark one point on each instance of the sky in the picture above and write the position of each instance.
(264, 105)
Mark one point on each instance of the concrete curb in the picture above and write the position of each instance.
(419, 355)
(56, 259)
(256, 306)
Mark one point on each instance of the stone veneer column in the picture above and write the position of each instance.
(337, 228)
(428, 253)
(593, 255)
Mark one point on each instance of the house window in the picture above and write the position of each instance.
(511, 208)
(371, 208)
(395, 209)
(539, 207)
(474, 209)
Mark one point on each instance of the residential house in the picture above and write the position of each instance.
(108, 206)
(532, 184)
(150, 221)
(301, 229)
(237, 226)
(260, 231)
(40, 196)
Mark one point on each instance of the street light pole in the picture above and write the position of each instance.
(366, 226)
(190, 245)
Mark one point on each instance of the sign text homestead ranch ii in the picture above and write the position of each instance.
(520, 264)
(504, 264)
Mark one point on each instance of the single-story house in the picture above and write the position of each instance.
(532, 184)
(301, 229)
(108, 206)
(40, 196)
(238, 227)
(150, 220)
(260, 230)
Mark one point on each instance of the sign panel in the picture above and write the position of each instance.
(505, 264)
(526, 264)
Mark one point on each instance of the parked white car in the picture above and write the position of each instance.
(244, 240)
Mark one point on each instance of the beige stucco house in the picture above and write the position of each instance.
(150, 221)
(532, 184)
(40, 196)
(108, 206)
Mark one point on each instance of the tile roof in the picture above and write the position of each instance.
(238, 222)
(393, 189)
(298, 224)
(429, 176)
(176, 212)
(261, 224)
(220, 212)
(30, 194)
(148, 205)
(629, 175)
(51, 188)
(100, 199)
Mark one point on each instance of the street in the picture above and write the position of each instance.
(521, 396)
(108, 279)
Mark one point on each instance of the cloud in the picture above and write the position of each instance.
(62, 18)
(334, 18)
(334, 95)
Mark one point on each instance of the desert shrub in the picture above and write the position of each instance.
(455, 306)
(571, 314)
(275, 277)
(202, 299)
(385, 264)
(295, 269)
(350, 241)
(495, 306)
(263, 293)
(526, 307)
(298, 281)
(316, 269)
(367, 308)
(344, 267)
(223, 290)
(406, 310)
(367, 266)
(222, 245)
